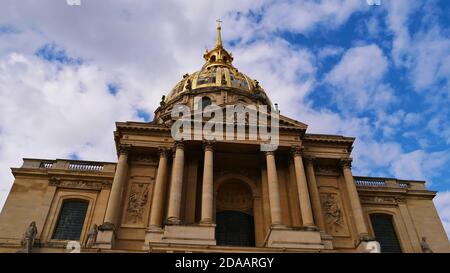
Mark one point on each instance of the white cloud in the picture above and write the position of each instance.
(425, 53)
(53, 111)
(49, 110)
(329, 51)
(286, 73)
(442, 202)
(304, 16)
(358, 78)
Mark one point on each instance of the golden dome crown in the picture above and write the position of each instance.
(217, 74)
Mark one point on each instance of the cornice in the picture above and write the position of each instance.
(33, 172)
(329, 139)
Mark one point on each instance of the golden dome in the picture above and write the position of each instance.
(217, 73)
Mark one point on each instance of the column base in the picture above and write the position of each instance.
(310, 228)
(366, 238)
(203, 234)
(105, 236)
(173, 221)
(152, 235)
(207, 222)
(105, 239)
(284, 237)
(327, 240)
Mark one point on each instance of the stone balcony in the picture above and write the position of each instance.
(388, 183)
(69, 165)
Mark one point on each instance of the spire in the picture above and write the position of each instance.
(218, 55)
(219, 36)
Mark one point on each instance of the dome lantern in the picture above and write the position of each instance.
(218, 56)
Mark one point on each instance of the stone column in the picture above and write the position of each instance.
(355, 203)
(314, 193)
(176, 187)
(274, 190)
(113, 206)
(207, 188)
(159, 192)
(302, 187)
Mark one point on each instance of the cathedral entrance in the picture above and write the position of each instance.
(234, 228)
(234, 215)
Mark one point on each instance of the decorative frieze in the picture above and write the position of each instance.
(249, 173)
(145, 158)
(79, 184)
(327, 170)
(382, 200)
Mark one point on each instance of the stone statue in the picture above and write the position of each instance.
(425, 246)
(373, 247)
(257, 87)
(162, 102)
(29, 237)
(91, 236)
(188, 85)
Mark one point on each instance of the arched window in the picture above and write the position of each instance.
(71, 220)
(385, 234)
(204, 101)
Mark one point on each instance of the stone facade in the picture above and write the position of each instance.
(165, 196)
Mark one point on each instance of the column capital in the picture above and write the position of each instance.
(345, 163)
(309, 159)
(208, 145)
(124, 149)
(269, 153)
(179, 144)
(296, 150)
(163, 152)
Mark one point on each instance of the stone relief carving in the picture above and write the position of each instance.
(234, 196)
(79, 184)
(150, 159)
(249, 173)
(327, 170)
(91, 236)
(386, 200)
(333, 212)
(136, 202)
(425, 246)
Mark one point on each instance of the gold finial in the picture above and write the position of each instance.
(219, 36)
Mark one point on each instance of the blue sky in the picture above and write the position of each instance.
(379, 73)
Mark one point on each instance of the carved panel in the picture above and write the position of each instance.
(144, 158)
(249, 173)
(79, 184)
(234, 196)
(137, 202)
(382, 200)
(327, 170)
(334, 214)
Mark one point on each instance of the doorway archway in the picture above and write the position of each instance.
(235, 228)
(234, 214)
